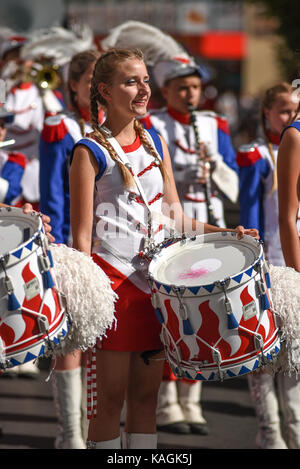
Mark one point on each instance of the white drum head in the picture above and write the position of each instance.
(16, 229)
(207, 259)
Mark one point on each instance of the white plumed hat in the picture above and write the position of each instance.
(167, 57)
(57, 44)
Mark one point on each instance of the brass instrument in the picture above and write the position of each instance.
(204, 167)
(46, 77)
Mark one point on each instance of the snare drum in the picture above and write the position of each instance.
(212, 296)
(33, 318)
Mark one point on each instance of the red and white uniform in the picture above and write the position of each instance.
(258, 203)
(12, 167)
(118, 238)
(29, 108)
(179, 135)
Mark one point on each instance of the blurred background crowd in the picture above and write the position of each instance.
(245, 46)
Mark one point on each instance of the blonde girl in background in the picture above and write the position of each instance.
(276, 399)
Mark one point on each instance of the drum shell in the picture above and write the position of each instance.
(212, 349)
(40, 322)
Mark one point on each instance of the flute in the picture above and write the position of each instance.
(203, 167)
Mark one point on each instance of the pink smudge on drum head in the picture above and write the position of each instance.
(193, 273)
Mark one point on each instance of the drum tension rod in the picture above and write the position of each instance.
(262, 288)
(13, 303)
(218, 360)
(187, 327)
(155, 301)
(231, 320)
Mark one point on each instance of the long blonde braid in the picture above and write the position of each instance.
(125, 173)
(103, 71)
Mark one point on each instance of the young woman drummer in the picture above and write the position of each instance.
(110, 217)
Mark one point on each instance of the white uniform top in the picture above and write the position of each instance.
(26, 101)
(120, 216)
(270, 207)
(259, 206)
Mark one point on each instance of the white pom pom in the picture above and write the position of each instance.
(285, 288)
(89, 297)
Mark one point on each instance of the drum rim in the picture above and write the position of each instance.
(17, 212)
(222, 234)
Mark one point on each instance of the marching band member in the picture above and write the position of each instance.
(259, 207)
(58, 137)
(111, 219)
(179, 79)
(179, 408)
(12, 164)
(30, 102)
(36, 94)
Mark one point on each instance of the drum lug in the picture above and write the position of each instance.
(267, 273)
(258, 342)
(8, 285)
(44, 263)
(231, 320)
(13, 303)
(3, 261)
(228, 307)
(261, 287)
(218, 360)
(43, 324)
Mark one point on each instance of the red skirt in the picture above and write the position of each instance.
(137, 328)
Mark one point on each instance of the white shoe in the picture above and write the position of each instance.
(139, 440)
(168, 408)
(108, 444)
(265, 402)
(28, 370)
(270, 438)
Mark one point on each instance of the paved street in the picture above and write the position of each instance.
(28, 420)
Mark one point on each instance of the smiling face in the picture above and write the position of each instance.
(182, 92)
(281, 112)
(129, 92)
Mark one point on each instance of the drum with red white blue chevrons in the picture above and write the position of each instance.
(33, 317)
(212, 296)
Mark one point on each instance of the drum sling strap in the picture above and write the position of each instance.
(152, 214)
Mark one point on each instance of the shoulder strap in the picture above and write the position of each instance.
(156, 140)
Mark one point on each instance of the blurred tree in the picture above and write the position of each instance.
(287, 13)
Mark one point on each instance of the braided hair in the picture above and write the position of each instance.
(103, 71)
(79, 64)
(268, 100)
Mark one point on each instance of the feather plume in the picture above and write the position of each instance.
(154, 43)
(162, 52)
(56, 44)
